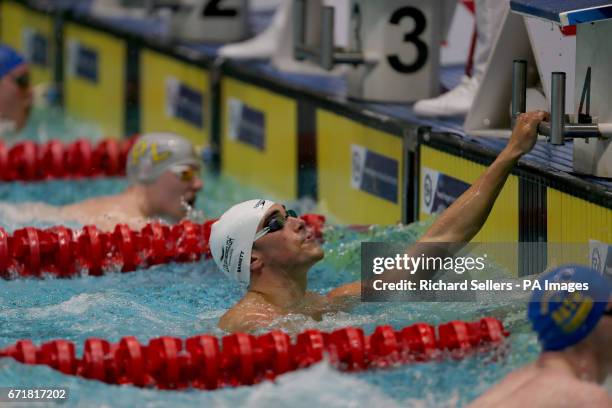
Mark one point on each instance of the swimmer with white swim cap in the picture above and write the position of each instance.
(574, 328)
(262, 244)
(15, 91)
(164, 174)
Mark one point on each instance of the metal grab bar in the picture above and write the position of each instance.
(324, 54)
(558, 129)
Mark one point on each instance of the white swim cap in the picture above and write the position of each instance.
(154, 153)
(231, 238)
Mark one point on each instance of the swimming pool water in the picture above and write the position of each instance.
(184, 300)
(50, 122)
(187, 299)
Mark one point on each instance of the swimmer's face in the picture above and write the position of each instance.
(291, 248)
(16, 96)
(173, 190)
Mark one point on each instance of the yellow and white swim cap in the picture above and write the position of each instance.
(232, 236)
(155, 153)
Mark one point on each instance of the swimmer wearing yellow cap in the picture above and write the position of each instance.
(261, 244)
(575, 331)
(164, 174)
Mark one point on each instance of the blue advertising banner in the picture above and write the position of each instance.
(247, 125)
(184, 102)
(36, 47)
(84, 62)
(439, 190)
(374, 173)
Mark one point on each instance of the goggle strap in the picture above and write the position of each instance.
(261, 233)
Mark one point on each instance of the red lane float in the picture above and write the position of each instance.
(93, 365)
(206, 359)
(61, 252)
(78, 159)
(244, 359)
(29, 161)
(6, 260)
(51, 160)
(22, 162)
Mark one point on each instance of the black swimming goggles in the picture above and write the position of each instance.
(276, 223)
(22, 81)
(608, 313)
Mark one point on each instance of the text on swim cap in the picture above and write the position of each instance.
(573, 312)
(227, 252)
(260, 204)
(140, 149)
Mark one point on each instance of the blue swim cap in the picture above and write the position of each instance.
(561, 316)
(9, 59)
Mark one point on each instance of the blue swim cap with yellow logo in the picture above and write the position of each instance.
(154, 153)
(561, 316)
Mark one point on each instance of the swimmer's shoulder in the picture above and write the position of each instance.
(248, 315)
(568, 391)
(596, 395)
(553, 387)
(89, 207)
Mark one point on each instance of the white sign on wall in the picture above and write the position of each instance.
(600, 257)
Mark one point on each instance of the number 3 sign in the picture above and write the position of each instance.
(399, 40)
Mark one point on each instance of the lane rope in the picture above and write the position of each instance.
(30, 161)
(204, 362)
(62, 252)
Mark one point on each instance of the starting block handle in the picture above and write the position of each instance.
(325, 55)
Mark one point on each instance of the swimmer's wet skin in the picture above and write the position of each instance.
(260, 244)
(15, 91)
(575, 331)
(163, 170)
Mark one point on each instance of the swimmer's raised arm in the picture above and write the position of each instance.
(460, 222)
